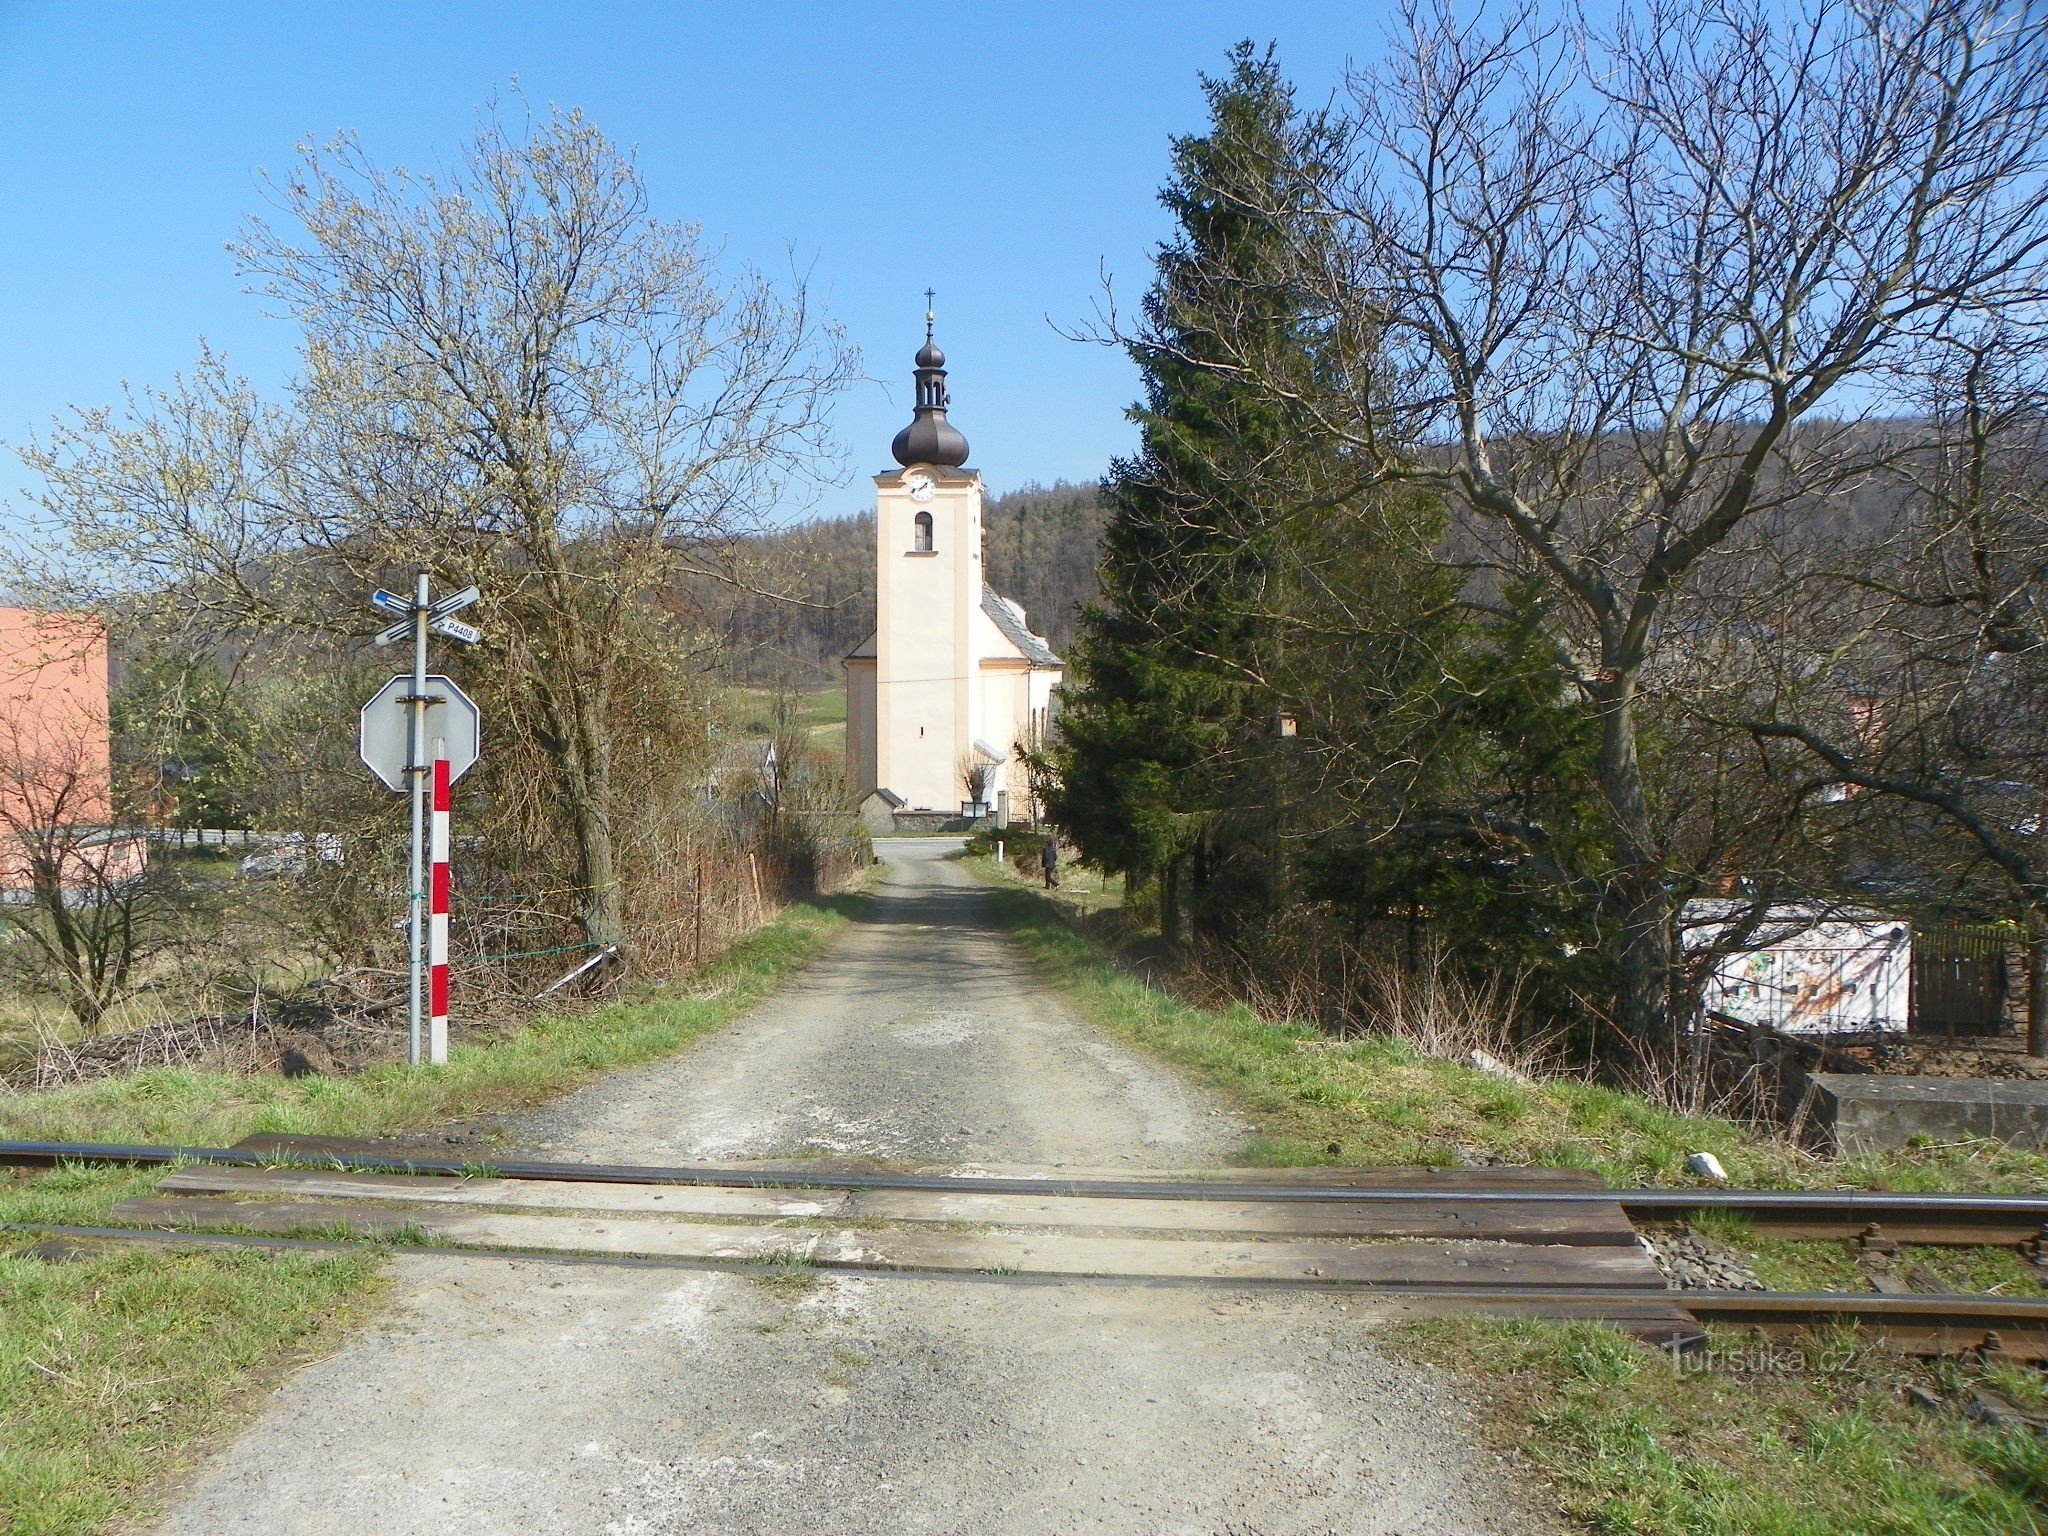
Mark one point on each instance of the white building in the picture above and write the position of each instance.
(952, 679)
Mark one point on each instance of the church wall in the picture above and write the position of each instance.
(861, 776)
(925, 705)
(1004, 690)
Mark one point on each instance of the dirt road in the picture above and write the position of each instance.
(551, 1397)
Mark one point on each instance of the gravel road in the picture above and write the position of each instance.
(545, 1397)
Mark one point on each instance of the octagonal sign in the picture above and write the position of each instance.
(452, 719)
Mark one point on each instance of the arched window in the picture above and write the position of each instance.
(922, 538)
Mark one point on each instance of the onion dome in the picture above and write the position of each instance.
(930, 438)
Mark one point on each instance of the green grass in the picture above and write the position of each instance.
(112, 1368)
(1810, 1438)
(1786, 1266)
(548, 1057)
(1080, 893)
(814, 711)
(1375, 1101)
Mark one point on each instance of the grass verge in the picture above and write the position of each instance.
(114, 1367)
(1752, 1438)
(1314, 1099)
(1376, 1100)
(1755, 1437)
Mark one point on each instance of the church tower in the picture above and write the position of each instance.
(952, 680)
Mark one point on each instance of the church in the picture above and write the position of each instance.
(952, 688)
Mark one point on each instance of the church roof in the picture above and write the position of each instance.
(1009, 618)
(930, 438)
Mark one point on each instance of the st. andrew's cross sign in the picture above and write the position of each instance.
(415, 719)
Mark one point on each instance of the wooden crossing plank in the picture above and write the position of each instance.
(1038, 1253)
(1531, 1222)
(1390, 1177)
(665, 1199)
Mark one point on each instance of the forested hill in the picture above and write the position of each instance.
(1040, 541)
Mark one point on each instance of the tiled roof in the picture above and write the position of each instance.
(1009, 618)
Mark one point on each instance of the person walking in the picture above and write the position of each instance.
(1049, 861)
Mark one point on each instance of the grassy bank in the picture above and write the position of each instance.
(112, 1369)
(1818, 1438)
(1376, 1100)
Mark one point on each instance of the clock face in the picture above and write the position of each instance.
(920, 487)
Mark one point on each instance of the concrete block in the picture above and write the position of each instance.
(1874, 1113)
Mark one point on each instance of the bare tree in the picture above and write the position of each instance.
(89, 914)
(512, 373)
(1939, 647)
(1619, 295)
(977, 773)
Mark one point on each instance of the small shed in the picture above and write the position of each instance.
(878, 808)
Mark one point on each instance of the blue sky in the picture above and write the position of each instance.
(1006, 155)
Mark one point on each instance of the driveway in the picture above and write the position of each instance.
(499, 1396)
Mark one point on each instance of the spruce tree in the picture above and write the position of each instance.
(1250, 572)
(1168, 695)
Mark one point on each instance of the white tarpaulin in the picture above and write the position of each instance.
(1809, 974)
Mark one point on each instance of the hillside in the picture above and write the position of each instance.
(815, 582)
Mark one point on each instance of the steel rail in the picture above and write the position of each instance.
(1863, 1206)
(1934, 1323)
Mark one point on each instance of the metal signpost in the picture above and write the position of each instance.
(452, 736)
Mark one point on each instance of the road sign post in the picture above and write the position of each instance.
(430, 764)
(416, 762)
(439, 883)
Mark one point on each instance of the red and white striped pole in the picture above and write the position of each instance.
(437, 912)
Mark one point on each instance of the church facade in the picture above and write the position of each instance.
(952, 688)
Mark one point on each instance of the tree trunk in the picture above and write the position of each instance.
(576, 708)
(1169, 901)
(1639, 897)
(2037, 984)
(601, 911)
(601, 908)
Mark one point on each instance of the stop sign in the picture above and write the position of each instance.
(454, 725)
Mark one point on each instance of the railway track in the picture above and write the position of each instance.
(1545, 1243)
(1940, 1219)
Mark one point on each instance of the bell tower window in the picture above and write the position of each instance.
(921, 532)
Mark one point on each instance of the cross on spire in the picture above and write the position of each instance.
(929, 314)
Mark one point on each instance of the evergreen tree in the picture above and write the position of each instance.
(1168, 693)
(1426, 769)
